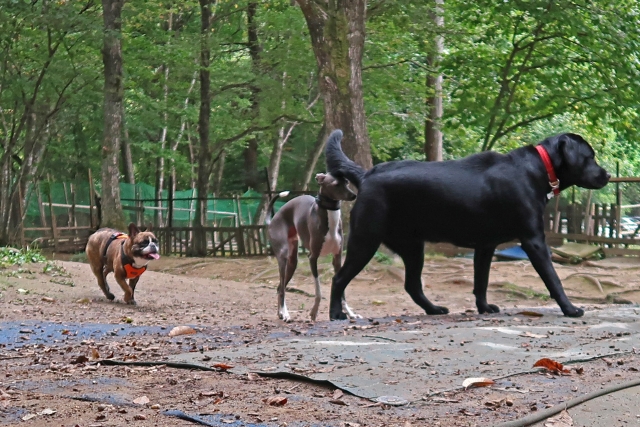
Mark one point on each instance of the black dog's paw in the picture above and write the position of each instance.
(573, 312)
(489, 308)
(437, 309)
(338, 316)
(111, 296)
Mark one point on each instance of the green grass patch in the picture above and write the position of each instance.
(10, 257)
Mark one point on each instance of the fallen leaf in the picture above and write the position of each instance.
(531, 313)
(47, 411)
(139, 417)
(338, 402)
(222, 366)
(95, 354)
(377, 302)
(80, 359)
(551, 365)
(48, 299)
(212, 393)
(83, 301)
(337, 394)
(142, 400)
(275, 401)
(182, 330)
(528, 334)
(494, 404)
(579, 370)
(563, 419)
(28, 417)
(24, 292)
(253, 376)
(477, 382)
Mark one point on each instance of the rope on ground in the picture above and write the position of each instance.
(543, 415)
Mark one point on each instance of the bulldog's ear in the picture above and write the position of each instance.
(320, 178)
(133, 230)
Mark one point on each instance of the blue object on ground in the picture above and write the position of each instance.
(514, 252)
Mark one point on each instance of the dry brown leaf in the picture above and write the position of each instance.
(253, 376)
(528, 334)
(275, 401)
(222, 366)
(338, 402)
(551, 365)
(95, 354)
(337, 394)
(48, 299)
(563, 419)
(182, 330)
(477, 382)
(212, 393)
(142, 400)
(531, 313)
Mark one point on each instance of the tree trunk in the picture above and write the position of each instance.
(433, 121)
(112, 214)
(218, 172)
(127, 160)
(337, 30)
(199, 247)
(163, 142)
(250, 153)
(312, 159)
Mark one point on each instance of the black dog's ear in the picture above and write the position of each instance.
(133, 230)
(569, 146)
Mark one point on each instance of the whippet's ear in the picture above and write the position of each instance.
(320, 178)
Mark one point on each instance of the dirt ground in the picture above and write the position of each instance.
(50, 371)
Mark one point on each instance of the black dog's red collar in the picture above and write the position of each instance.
(554, 182)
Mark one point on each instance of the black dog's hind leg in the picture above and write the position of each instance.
(536, 249)
(481, 267)
(412, 254)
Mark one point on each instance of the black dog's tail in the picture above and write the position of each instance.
(272, 203)
(338, 164)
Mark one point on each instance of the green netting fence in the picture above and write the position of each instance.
(139, 204)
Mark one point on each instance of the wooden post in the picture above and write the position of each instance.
(587, 214)
(169, 226)
(20, 207)
(92, 203)
(43, 216)
(72, 212)
(54, 225)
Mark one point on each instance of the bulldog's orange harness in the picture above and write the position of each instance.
(127, 262)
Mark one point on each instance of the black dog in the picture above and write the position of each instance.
(477, 202)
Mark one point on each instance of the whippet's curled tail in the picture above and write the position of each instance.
(338, 164)
(272, 203)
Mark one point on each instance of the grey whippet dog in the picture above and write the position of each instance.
(316, 221)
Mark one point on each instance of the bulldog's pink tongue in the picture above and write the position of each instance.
(154, 256)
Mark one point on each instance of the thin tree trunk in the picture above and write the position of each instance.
(217, 174)
(204, 155)
(183, 125)
(127, 159)
(112, 214)
(312, 159)
(433, 121)
(337, 30)
(163, 137)
(250, 153)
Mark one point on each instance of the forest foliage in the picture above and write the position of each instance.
(514, 72)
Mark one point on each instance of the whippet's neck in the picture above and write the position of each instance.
(327, 203)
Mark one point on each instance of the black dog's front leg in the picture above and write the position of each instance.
(536, 249)
(481, 268)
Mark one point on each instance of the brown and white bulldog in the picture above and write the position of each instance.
(127, 256)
